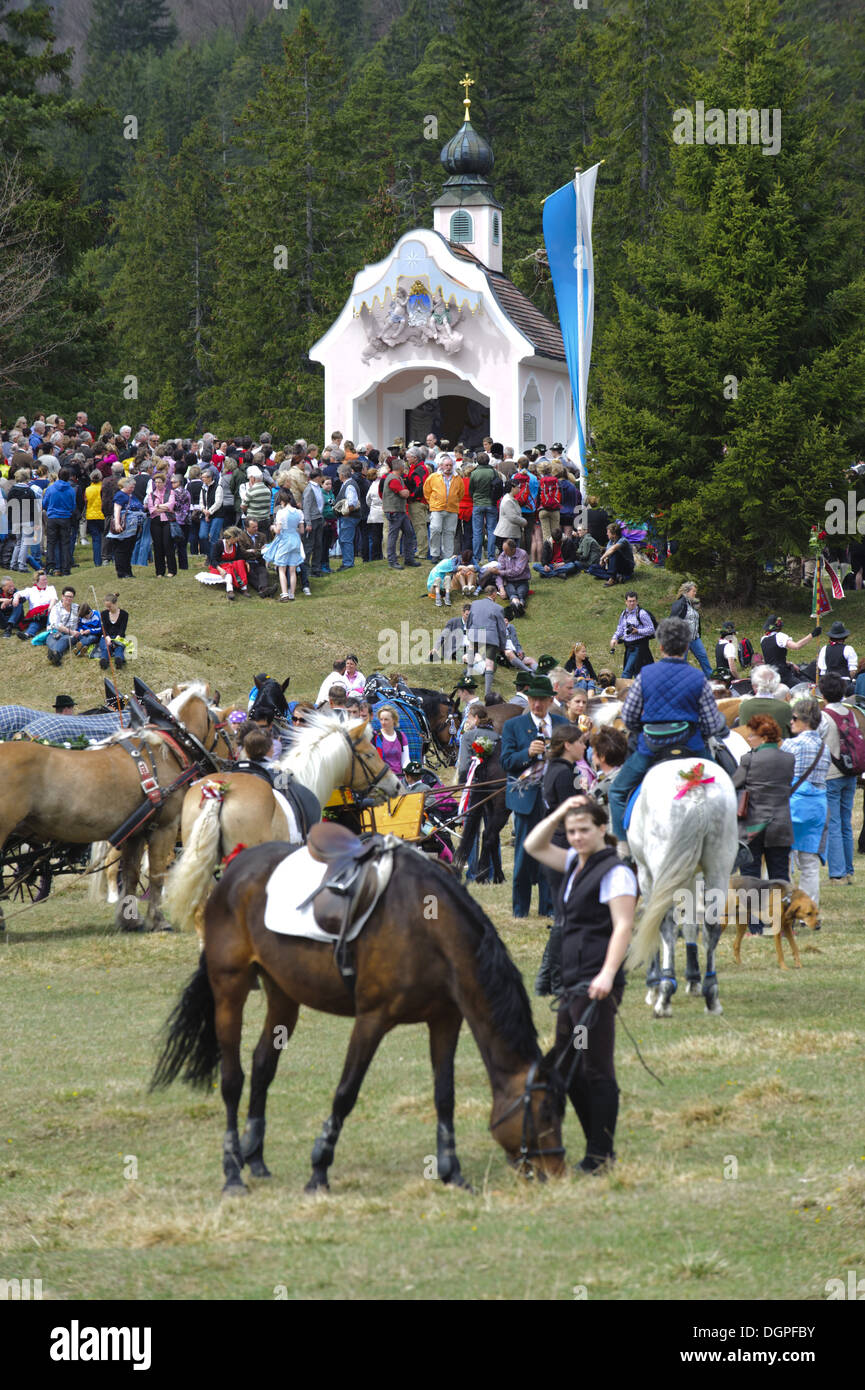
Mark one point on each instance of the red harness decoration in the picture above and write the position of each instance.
(213, 791)
(226, 860)
(692, 778)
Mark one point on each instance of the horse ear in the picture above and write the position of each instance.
(216, 697)
(286, 683)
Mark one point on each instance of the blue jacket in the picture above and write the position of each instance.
(672, 690)
(60, 501)
(517, 734)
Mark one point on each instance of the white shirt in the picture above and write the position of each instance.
(354, 685)
(37, 597)
(618, 882)
(731, 650)
(849, 656)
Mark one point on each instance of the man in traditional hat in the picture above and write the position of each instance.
(837, 657)
(727, 650)
(64, 704)
(524, 678)
(524, 745)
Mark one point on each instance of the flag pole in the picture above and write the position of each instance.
(580, 322)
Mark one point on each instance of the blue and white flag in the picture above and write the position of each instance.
(568, 237)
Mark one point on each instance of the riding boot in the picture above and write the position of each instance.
(580, 1097)
(605, 1110)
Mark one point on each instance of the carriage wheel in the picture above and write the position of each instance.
(23, 881)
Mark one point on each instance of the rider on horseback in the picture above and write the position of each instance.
(670, 706)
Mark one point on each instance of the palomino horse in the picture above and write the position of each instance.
(325, 754)
(683, 824)
(409, 968)
(76, 797)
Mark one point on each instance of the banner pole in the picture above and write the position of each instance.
(578, 262)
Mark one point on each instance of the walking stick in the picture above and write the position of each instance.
(107, 644)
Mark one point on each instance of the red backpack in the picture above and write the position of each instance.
(852, 750)
(522, 492)
(549, 494)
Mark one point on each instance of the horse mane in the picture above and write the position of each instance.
(497, 975)
(308, 752)
(194, 688)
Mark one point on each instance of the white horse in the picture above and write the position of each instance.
(683, 825)
(325, 754)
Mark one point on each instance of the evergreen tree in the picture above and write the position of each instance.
(731, 383)
(289, 247)
(118, 27)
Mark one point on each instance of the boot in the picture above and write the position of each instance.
(438, 599)
(543, 979)
(448, 603)
(605, 1111)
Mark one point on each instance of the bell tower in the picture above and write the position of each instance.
(467, 213)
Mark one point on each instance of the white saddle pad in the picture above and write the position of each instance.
(291, 883)
(294, 835)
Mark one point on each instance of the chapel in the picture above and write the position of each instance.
(435, 338)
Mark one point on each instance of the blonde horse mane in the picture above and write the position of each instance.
(315, 757)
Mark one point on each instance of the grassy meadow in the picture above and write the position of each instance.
(742, 1177)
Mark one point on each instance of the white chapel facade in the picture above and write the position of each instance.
(435, 338)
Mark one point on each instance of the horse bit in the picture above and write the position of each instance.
(525, 1100)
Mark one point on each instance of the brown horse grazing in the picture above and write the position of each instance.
(410, 968)
(325, 754)
(75, 797)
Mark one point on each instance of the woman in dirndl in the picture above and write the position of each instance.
(229, 569)
(285, 550)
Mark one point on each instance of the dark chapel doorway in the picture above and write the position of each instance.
(454, 418)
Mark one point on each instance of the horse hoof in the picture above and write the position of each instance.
(458, 1181)
(317, 1185)
(663, 1010)
(716, 1007)
(235, 1189)
(259, 1169)
(693, 987)
(113, 896)
(652, 998)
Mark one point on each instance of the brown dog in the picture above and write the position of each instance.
(774, 903)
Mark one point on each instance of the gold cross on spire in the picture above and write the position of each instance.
(466, 82)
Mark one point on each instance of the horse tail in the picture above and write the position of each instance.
(98, 855)
(190, 881)
(676, 873)
(191, 1045)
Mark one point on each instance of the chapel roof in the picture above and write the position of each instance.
(541, 332)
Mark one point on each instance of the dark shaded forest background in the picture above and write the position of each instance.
(187, 190)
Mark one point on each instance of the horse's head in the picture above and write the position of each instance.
(368, 770)
(529, 1127)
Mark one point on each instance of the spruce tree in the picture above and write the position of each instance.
(118, 27)
(731, 383)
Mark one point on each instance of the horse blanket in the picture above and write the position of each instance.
(58, 728)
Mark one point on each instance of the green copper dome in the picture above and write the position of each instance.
(467, 157)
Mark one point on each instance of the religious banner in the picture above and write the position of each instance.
(568, 238)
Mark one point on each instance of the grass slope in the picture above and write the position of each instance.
(771, 1092)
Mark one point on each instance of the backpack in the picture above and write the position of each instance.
(497, 487)
(852, 755)
(549, 494)
(522, 492)
(746, 651)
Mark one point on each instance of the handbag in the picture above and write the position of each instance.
(743, 803)
(177, 531)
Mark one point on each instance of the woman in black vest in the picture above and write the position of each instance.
(567, 746)
(596, 903)
(775, 644)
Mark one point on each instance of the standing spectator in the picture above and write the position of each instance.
(347, 508)
(443, 492)
(840, 781)
(597, 521)
(510, 524)
(549, 500)
(194, 487)
(687, 608)
(525, 740)
(211, 513)
(463, 535)
(24, 517)
(809, 806)
(394, 501)
(95, 515)
(634, 629)
(160, 504)
(836, 657)
(59, 507)
(416, 475)
(311, 505)
(766, 773)
(567, 747)
(180, 519)
(485, 490)
(285, 550)
(375, 515)
(128, 517)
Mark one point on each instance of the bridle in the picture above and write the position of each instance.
(526, 1154)
(360, 759)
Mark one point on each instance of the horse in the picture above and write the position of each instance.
(683, 823)
(52, 794)
(442, 716)
(411, 966)
(240, 809)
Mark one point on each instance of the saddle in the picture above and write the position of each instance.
(350, 888)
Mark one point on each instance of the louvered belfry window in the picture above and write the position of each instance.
(461, 227)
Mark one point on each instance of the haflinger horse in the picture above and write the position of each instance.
(239, 809)
(683, 824)
(77, 797)
(410, 967)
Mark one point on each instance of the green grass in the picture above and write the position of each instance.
(775, 1084)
